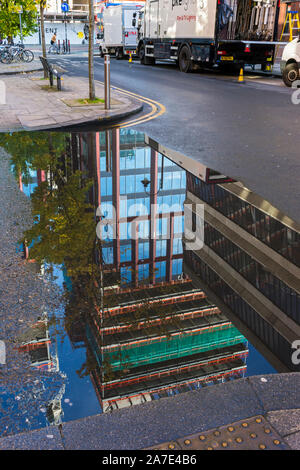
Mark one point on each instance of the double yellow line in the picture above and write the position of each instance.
(157, 109)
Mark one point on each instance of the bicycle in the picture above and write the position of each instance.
(5, 57)
(53, 47)
(16, 53)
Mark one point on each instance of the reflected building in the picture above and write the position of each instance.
(156, 317)
(249, 265)
(150, 331)
(156, 334)
(36, 341)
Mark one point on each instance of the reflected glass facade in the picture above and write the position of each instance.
(244, 311)
(273, 233)
(287, 299)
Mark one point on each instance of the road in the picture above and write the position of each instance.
(248, 131)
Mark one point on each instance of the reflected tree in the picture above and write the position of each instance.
(64, 233)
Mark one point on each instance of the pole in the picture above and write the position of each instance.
(66, 31)
(107, 80)
(43, 35)
(21, 30)
(92, 94)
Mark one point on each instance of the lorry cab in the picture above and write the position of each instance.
(120, 34)
(201, 34)
(290, 62)
(138, 22)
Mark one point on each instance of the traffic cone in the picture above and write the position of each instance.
(241, 76)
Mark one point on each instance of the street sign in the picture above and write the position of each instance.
(64, 7)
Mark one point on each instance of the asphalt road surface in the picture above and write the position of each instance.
(247, 131)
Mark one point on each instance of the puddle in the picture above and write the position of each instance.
(115, 292)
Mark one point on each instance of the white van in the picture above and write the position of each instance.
(290, 62)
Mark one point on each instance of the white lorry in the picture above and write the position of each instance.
(290, 62)
(119, 35)
(203, 33)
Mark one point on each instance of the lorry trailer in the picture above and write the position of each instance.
(205, 33)
(119, 34)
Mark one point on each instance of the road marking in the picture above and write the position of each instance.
(157, 109)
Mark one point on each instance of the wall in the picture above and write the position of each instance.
(50, 27)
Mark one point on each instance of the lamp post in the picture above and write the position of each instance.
(66, 33)
(145, 182)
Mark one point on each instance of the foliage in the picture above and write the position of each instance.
(64, 228)
(64, 231)
(30, 151)
(10, 21)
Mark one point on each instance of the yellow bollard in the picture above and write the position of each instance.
(130, 58)
(241, 76)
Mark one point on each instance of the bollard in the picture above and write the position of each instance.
(130, 58)
(107, 80)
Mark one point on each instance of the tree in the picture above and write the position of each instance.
(32, 150)
(92, 95)
(42, 6)
(10, 21)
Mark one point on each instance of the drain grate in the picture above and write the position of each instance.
(249, 434)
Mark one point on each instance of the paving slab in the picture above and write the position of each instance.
(293, 441)
(30, 105)
(254, 433)
(285, 421)
(277, 391)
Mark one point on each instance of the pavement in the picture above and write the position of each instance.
(30, 104)
(20, 67)
(269, 405)
(275, 72)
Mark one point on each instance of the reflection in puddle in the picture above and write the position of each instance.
(134, 323)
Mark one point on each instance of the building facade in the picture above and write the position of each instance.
(249, 265)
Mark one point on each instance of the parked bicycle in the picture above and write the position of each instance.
(9, 54)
